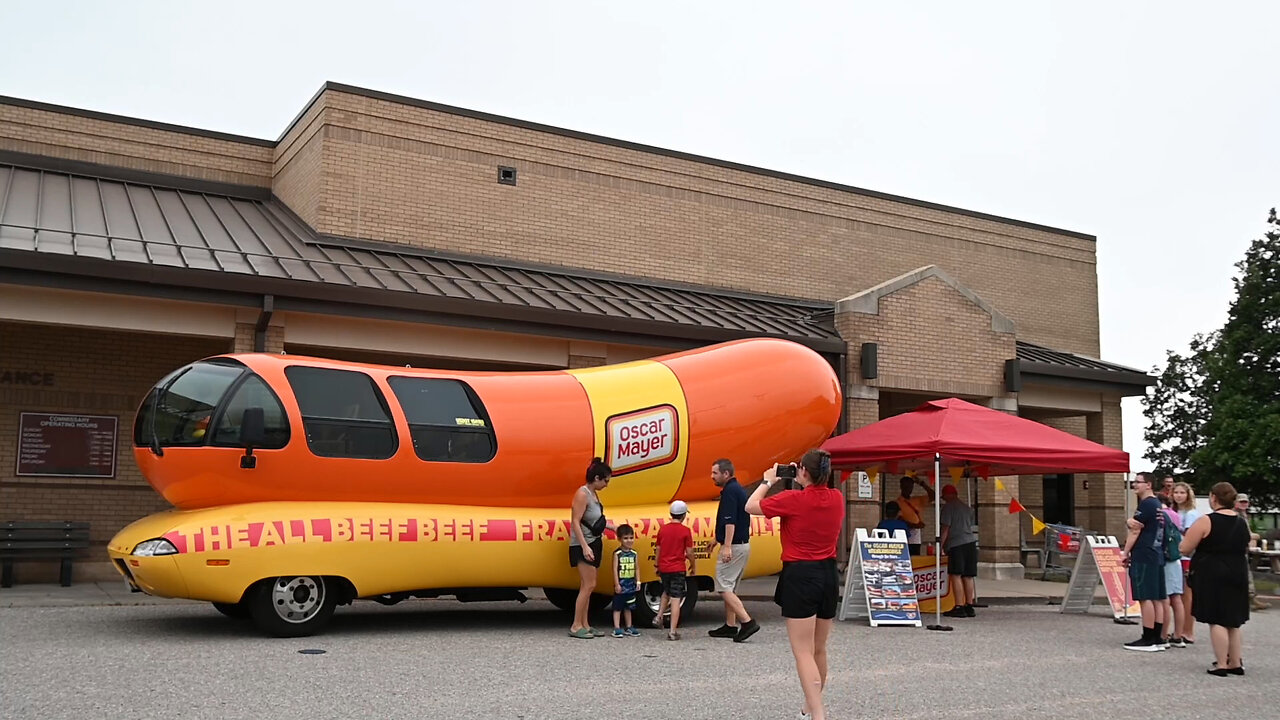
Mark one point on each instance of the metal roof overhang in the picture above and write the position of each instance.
(1046, 366)
(64, 230)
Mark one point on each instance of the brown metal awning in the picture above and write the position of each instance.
(60, 225)
(1066, 366)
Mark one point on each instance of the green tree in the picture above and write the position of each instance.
(1215, 413)
(1176, 410)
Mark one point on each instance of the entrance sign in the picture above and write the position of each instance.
(880, 581)
(1099, 561)
(66, 445)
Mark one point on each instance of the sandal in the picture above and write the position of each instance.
(673, 635)
(1229, 671)
(582, 634)
(657, 621)
(595, 632)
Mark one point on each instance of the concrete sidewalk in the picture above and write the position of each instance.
(992, 592)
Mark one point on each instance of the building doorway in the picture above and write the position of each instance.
(1059, 499)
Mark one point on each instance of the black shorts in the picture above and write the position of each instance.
(624, 601)
(674, 584)
(962, 560)
(807, 588)
(575, 553)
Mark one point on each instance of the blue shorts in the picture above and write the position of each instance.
(624, 601)
(1173, 578)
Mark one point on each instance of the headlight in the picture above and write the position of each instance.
(158, 546)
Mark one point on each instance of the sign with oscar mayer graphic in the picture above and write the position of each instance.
(642, 439)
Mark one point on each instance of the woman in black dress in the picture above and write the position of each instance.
(1220, 576)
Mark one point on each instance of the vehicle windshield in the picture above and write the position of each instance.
(178, 409)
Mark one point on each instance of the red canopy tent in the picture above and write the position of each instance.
(987, 441)
(953, 433)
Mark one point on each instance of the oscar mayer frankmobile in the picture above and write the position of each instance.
(300, 484)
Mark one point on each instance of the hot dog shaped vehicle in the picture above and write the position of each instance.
(302, 483)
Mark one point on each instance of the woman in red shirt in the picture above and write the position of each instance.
(809, 585)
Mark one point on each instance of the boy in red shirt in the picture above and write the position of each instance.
(673, 550)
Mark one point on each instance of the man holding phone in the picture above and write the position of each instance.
(911, 509)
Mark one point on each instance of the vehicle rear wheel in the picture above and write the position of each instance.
(292, 606)
(238, 611)
(565, 599)
(651, 596)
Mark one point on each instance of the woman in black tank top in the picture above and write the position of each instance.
(1220, 577)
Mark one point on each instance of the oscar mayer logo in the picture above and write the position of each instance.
(642, 439)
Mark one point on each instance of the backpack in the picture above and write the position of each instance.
(1172, 539)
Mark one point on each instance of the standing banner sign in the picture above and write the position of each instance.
(1098, 562)
(881, 581)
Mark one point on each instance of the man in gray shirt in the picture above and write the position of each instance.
(961, 545)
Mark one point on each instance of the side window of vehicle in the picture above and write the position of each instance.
(343, 413)
(253, 392)
(447, 421)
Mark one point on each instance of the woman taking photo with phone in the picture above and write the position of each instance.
(809, 585)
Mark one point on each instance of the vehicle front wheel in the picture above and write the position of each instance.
(293, 606)
(651, 596)
(238, 611)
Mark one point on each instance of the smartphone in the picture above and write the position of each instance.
(786, 472)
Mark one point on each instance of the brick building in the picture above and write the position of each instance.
(387, 229)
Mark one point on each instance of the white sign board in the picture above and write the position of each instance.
(864, 486)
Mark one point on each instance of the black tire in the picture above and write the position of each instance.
(293, 606)
(236, 611)
(565, 599)
(647, 604)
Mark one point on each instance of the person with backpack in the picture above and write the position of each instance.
(1173, 609)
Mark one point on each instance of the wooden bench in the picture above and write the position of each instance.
(61, 541)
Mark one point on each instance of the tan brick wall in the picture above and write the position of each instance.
(72, 137)
(97, 373)
(420, 177)
(299, 160)
(932, 339)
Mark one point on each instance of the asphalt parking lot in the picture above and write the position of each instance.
(443, 659)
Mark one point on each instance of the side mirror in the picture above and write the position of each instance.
(253, 433)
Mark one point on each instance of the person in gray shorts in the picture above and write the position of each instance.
(961, 546)
(733, 535)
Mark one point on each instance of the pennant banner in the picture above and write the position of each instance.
(1037, 527)
(872, 474)
(1015, 506)
(999, 485)
(956, 474)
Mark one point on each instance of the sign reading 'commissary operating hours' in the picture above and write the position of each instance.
(67, 445)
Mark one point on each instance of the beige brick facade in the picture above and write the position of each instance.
(49, 133)
(369, 167)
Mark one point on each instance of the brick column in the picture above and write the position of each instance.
(1106, 511)
(243, 340)
(862, 408)
(998, 539)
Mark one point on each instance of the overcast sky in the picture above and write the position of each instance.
(1151, 125)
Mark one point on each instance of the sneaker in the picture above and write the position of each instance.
(955, 612)
(1177, 642)
(805, 716)
(968, 611)
(749, 628)
(632, 632)
(617, 632)
(724, 631)
(1144, 645)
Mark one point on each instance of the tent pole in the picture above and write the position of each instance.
(1124, 619)
(937, 546)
